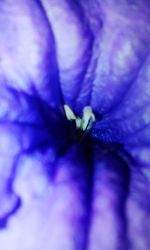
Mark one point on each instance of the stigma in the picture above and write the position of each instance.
(83, 123)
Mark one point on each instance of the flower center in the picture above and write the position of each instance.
(83, 124)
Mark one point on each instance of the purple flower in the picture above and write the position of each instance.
(75, 135)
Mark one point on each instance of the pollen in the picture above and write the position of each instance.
(85, 122)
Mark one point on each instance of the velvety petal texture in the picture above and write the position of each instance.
(62, 188)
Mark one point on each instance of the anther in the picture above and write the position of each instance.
(85, 123)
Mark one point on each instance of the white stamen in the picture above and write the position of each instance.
(85, 123)
(79, 122)
(88, 118)
(69, 113)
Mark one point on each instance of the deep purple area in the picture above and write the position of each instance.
(60, 188)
